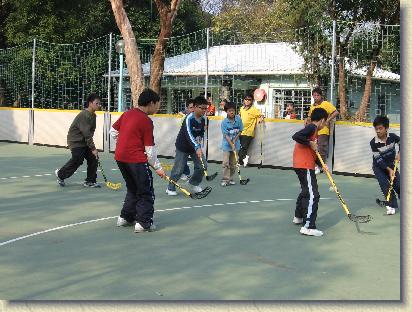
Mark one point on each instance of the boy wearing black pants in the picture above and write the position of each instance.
(80, 142)
(304, 159)
(384, 154)
(135, 150)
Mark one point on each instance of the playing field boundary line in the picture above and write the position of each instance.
(159, 210)
(43, 175)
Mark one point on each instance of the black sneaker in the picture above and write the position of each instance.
(91, 184)
(59, 181)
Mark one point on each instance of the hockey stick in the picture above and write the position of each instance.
(352, 217)
(110, 185)
(261, 145)
(208, 177)
(384, 203)
(242, 182)
(198, 195)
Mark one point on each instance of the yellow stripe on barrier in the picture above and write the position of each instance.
(283, 120)
(168, 115)
(362, 124)
(215, 117)
(54, 110)
(13, 108)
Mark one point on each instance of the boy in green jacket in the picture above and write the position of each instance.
(80, 142)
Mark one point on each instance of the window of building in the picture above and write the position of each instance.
(300, 98)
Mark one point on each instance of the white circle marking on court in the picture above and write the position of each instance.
(107, 218)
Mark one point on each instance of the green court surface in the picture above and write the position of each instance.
(236, 244)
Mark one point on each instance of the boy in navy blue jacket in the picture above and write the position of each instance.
(188, 143)
(384, 154)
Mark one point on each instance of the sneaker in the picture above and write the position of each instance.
(317, 170)
(59, 181)
(310, 232)
(171, 193)
(185, 177)
(124, 222)
(91, 184)
(140, 229)
(297, 220)
(196, 188)
(390, 210)
(231, 182)
(224, 183)
(245, 161)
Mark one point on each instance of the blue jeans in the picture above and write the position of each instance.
(179, 166)
(186, 171)
(383, 179)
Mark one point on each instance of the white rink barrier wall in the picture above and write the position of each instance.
(352, 152)
(14, 124)
(51, 127)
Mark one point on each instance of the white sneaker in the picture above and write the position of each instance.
(245, 161)
(140, 229)
(297, 220)
(231, 182)
(185, 177)
(317, 170)
(171, 193)
(123, 222)
(390, 210)
(224, 183)
(196, 188)
(310, 232)
(59, 181)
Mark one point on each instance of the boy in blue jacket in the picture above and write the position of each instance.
(384, 154)
(188, 143)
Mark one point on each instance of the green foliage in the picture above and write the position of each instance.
(62, 21)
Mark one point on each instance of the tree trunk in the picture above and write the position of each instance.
(361, 113)
(134, 65)
(159, 54)
(167, 16)
(343, 110)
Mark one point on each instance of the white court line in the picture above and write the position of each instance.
(107, 218)
(40, 175)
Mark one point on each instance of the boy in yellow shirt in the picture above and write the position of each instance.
(323, 135)
(250, 117)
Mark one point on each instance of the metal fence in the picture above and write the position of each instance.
(222, 64)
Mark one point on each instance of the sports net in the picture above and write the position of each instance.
(223, 64)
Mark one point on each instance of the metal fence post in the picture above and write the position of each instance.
(332, 70)
(31, 111)
(207, 60)
(109, 75)
(106, 128)
(329, 161)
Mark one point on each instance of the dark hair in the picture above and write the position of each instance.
(91, 98)
(188, 102)
(381, 120)
(319, 114)
(248, 95)
(147, 96)
(229, 105)
(317, 90)
(199, 100)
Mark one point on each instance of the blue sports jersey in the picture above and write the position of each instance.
(231, 129)
(191, 134)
